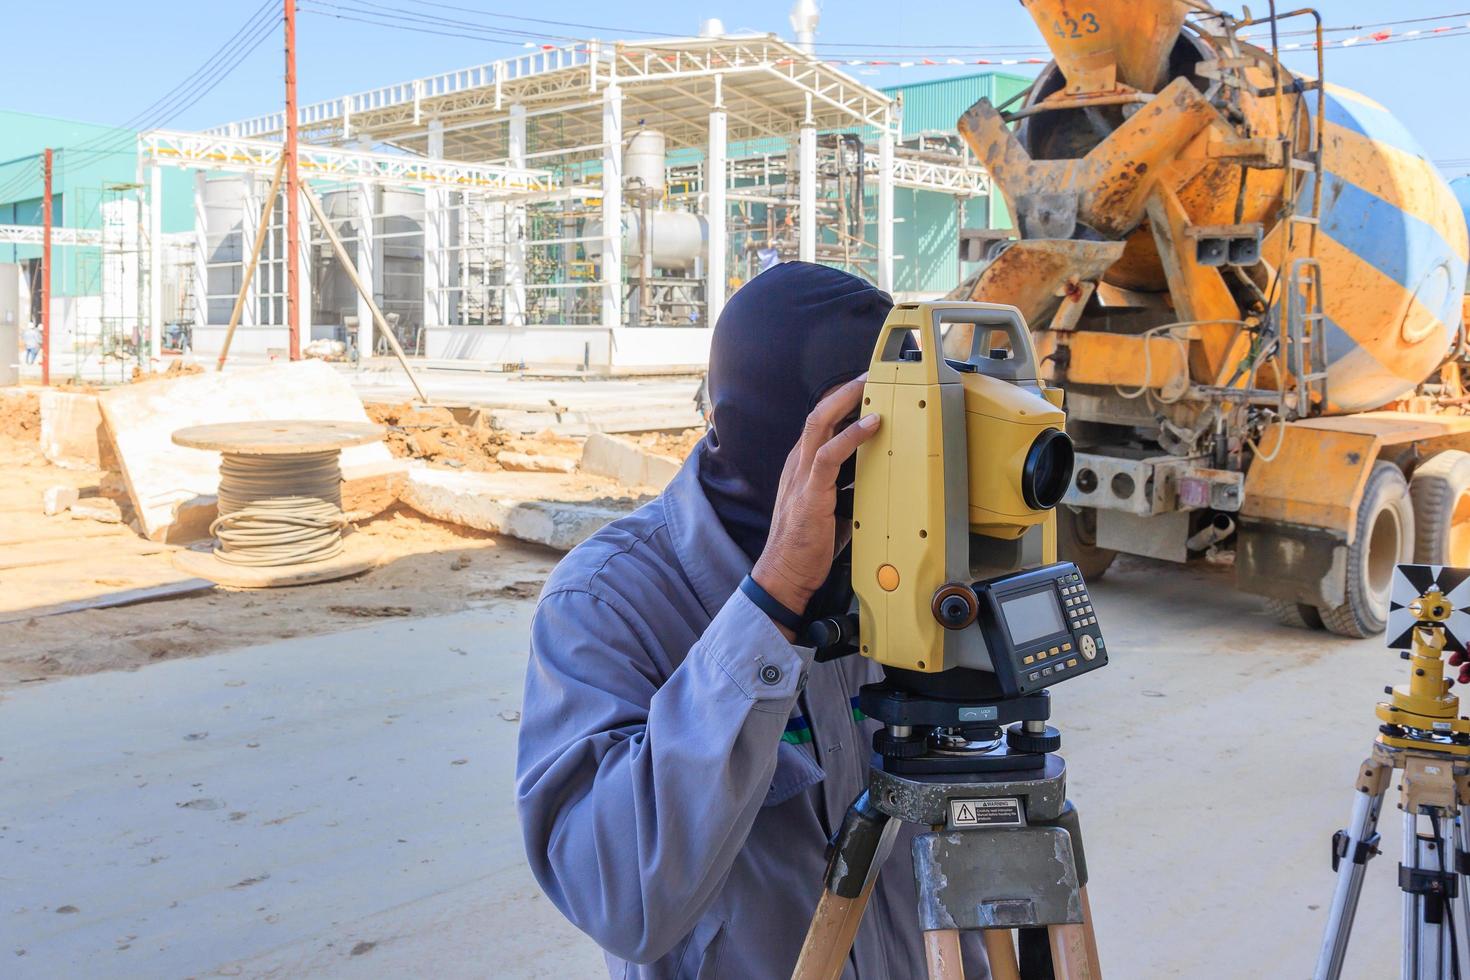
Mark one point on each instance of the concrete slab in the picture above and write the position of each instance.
(328, 806)
(71, 429)
(522, 404)
(627, 462)
(517, 504)
(171, 485)
(529, 463)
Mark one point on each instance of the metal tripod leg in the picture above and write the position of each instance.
(861, 845)
(1462, 837)
(1351, 849)
(1429, 919)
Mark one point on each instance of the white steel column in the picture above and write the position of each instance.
(715, 177)
(366, 268)
(251, 201)
(885, 204)
(155, 261)
(515, 229)
(434, 237)
(806, 214)
(200, 252)
(303, 287)
(612, 206)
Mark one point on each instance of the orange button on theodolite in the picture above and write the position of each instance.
(887, 578)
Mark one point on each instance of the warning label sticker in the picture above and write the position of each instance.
(1001, 812)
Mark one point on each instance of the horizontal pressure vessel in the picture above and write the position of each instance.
(679, 237)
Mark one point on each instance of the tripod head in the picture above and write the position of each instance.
(1428, 615)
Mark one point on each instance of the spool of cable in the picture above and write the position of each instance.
(279, 510)
(280, 519)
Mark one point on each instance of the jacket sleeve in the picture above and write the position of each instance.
(634, 796)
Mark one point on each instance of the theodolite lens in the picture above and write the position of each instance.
(1047, 472)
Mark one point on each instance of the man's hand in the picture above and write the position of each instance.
(799, 551)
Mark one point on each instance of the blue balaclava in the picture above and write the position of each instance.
(784, 339)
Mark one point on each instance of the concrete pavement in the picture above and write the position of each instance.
(341, 805)
(333, 806)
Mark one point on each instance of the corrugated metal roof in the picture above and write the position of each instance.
(935, 105)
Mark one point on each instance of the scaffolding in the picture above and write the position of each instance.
(546, 251)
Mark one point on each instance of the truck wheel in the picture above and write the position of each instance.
(1297, 614)
(1384, 538)
(1077, 541)
(1440, 490)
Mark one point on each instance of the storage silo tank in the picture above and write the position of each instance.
(224, 199)
(397, 265)
(643, 164)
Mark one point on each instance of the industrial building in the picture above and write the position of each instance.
(552, 209)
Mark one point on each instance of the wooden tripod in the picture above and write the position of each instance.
(1005, 852)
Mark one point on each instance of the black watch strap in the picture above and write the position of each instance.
(771, 606)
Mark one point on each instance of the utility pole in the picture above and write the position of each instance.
(46, 273)
(293, 192)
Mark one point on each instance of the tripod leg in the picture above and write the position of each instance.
(1092, 958)
(1411, 901)
(858, 852)
(1461, 857)
(1069, 959)
(942, 954)
(1351, 849)
(1000, 950)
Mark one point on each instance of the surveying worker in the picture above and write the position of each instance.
(683, 762)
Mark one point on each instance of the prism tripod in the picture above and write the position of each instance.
(1424, 737)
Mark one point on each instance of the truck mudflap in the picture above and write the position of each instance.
(1293, 562)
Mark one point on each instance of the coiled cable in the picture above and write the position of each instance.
(279, 509)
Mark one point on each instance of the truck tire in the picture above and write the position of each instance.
(1440, 490)
(1296, 614)
(1077, 541)
(1384, 538)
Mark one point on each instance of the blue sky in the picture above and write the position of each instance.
(105, 61)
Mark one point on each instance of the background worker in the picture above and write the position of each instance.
(682, 762)
(31, 337)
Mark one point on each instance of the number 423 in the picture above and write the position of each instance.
(1087, 25)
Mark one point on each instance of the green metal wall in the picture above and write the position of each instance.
(935, 106)
(86, 158)
(926, 235)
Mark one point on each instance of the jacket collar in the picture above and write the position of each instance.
(710, 558)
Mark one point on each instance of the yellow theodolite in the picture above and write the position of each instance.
(959, 484)
(961, 600)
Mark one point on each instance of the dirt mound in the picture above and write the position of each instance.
(20, 414)
(175, 369)
(459, 439)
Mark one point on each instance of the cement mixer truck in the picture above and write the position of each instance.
(1250, 283)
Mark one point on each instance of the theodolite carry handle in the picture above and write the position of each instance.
(928, 321)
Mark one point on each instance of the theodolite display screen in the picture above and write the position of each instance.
(1030, 617)
(1039, 627)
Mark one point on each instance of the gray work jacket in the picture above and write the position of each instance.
(681, 765)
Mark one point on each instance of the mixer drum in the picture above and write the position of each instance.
(1393, 249)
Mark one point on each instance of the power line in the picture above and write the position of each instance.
(539, 20)
(195, 86)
